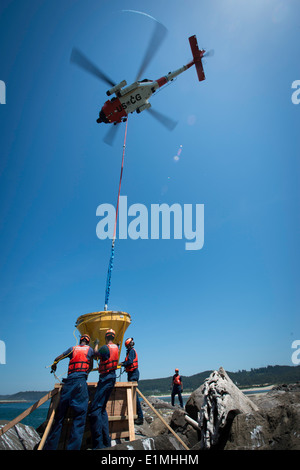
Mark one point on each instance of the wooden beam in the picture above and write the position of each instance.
(54, 404)
(29, 410)
(130, 415)
(117, 384)
(162, 419)
(120, 418)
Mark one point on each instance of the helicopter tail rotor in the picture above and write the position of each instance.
(209, 53)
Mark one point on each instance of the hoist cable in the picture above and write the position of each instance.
(112, 254)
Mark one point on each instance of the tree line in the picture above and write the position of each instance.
(242, 378)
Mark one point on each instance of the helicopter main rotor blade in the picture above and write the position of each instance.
(157, 37)
(82, 61)
(169, 123)
(111, 134)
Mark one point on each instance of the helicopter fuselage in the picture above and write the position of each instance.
(127, 101)
(135, 97)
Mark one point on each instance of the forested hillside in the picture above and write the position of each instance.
(242, 378)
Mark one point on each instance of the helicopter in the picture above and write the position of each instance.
(135, 97)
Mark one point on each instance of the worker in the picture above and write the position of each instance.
(131, 367)
(109, 356)
(74, 394)
(177, 388)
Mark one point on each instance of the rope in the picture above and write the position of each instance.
(112, 254)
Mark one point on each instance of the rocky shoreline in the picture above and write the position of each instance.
(217, 416)
(260, 421)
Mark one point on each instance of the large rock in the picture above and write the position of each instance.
(276, 426)
(194, 403)
(222, 401)
(280, 395)
(183, 429)
(153, 426)
(19, 437)
(158, 404)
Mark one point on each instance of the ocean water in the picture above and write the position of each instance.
(9, 411)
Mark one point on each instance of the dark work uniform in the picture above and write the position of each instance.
(176, 389)
(98, 414)
(74, 394)
(133, 376)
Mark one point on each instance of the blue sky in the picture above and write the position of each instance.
(234, 303)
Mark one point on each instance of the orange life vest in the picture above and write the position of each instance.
(111, 363)
(79, 361)
(176, 380)
(134, 365)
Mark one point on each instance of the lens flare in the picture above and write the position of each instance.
(176, 158)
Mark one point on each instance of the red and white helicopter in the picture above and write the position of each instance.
(135, 97)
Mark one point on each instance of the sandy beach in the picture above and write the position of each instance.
(253, 390)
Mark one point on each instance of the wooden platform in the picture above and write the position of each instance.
(121, 410)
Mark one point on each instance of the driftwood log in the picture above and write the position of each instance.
(222, 401)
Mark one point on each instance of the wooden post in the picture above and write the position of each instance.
(162, 419)
(130, 415)
(54, 404)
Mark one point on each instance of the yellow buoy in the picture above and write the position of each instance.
(97, 323)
